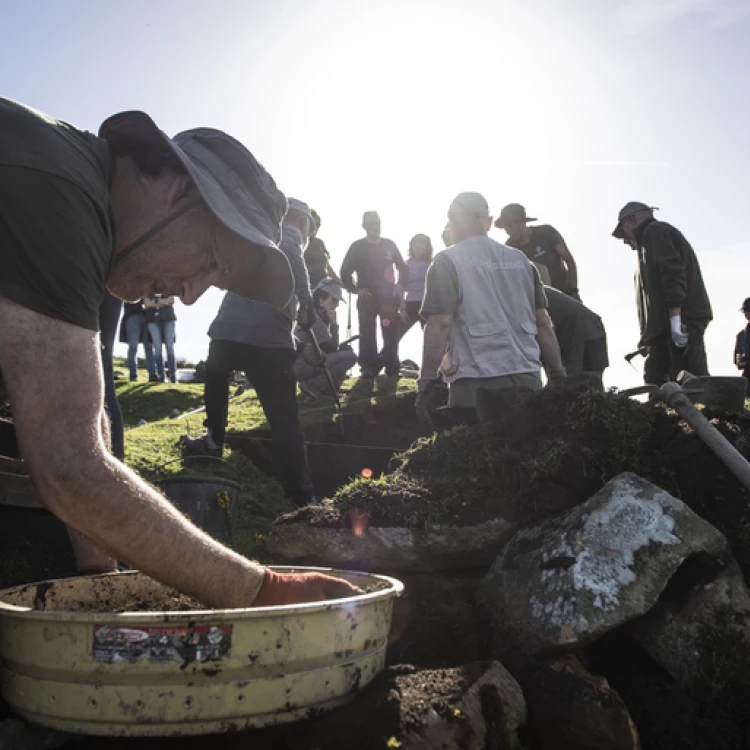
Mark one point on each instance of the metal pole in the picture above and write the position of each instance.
(331, 384)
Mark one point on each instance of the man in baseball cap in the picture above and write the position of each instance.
(673, 306)
(543, 245)
(141, 214)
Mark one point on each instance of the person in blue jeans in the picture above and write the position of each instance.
(161, 323)
(133, 330)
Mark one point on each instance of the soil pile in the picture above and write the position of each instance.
(542, 455)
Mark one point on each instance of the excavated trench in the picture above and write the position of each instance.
(548, 453)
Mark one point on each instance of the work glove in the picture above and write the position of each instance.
(306, 316)
(425, 389)
(678, 331)
(297, 588)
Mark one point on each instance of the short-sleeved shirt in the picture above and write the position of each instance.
(442, 295)
(56, 230)
(541, 249)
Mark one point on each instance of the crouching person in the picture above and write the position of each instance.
(309, 367)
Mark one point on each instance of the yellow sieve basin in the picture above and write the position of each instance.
(181, 673)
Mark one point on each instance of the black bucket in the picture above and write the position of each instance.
(208, 502)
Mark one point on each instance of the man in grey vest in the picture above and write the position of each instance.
(257, 339)
(486, 311)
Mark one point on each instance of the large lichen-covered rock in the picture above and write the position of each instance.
(675, 632)
(570, 580)
(572, 709)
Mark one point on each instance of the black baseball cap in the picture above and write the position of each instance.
(512, 212)
(235, 187)
(745, 305)
(627, 211)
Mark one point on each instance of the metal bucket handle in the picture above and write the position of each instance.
(238, 476)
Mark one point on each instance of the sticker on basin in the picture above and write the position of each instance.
(161, 645)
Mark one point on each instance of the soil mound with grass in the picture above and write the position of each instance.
(544, 454)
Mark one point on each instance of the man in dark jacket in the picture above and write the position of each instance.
(673, 305)
(317, 258)
(742, 345)
(375, 260)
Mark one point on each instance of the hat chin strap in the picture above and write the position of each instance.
(146, 236)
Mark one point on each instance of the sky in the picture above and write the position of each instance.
(571, 108)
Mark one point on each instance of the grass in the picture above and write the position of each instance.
(153, 451)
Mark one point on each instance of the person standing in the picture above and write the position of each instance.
(317, 258)
(308, 370)
(417, 263)
(673, 306)
(742, 344)
(161, 319)
(541, 244)
(257, 339)
(375, 260)
(487, 322)
(134, 330)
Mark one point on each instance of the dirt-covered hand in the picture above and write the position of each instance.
(297, 588)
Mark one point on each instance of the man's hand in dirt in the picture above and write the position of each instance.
(556, 376)
(364, 293)
(297, 588)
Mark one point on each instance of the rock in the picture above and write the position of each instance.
(673, 632)
(141, 422)
(473, 707)
(437, 547)
(571, 579)
(18, 735)
(174, 414)
(572, 709)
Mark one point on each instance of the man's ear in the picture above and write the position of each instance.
(181, 188)
(489, 223)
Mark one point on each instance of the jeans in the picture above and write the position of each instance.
(369, 309)
(163, 333)
(271, 371)
(134, 331)
(109, 316)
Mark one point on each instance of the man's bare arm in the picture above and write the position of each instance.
(572, 276)
(437, 332)
(550, 349)
(59, 426)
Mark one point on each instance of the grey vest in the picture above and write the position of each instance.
(494, 329)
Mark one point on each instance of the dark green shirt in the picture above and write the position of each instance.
(541, 249)
(56, 229)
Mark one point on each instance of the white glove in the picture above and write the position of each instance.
(679, 332)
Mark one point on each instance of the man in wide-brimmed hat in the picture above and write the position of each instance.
(541, 244)
(140, 214)
(673, 306)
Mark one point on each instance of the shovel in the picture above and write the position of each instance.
(680, 397)
(331, 384)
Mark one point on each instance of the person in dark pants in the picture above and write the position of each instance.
(257, 339)
(109, 317)
(742, 344)
(673, 306)
(375, 260)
